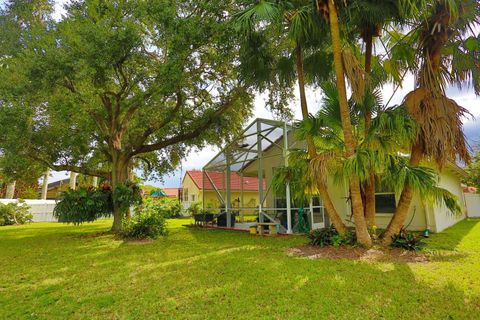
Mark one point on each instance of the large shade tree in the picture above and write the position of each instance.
(115, 82)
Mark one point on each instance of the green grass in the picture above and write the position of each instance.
(56, 271)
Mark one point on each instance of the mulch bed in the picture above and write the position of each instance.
(357, 253)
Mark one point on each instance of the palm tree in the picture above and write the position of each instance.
(301, 27)
(329, 10)
(440, 136)
(367, 18)
(391, 130)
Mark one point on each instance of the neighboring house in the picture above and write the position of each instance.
(173, 192)
(263, 146)
(55, 188)
(244, 190)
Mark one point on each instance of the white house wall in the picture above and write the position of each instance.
(443, 217)
(416, 215)
(472, 201)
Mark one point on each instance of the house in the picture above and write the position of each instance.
(55, 188)
(264, 146)
(208, 188)
(174, 193)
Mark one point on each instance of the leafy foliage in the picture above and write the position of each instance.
(168, 208)
(330, 237)
(127, 194)
(83, 205)
(146, 223)
(195, 208)
(408, 241)
(89, 204)
(473, 170)
(14, 213)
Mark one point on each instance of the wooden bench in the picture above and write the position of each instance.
(272, 228)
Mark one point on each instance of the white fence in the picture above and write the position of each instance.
(472, 201)
(42, 210)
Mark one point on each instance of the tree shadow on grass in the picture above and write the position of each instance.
(199, 274)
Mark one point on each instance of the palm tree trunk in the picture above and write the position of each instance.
(369, 185)
(405, 201)
(322, 188)
(363, 237)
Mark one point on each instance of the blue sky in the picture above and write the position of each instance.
(198, 158)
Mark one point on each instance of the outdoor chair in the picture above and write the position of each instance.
(203, 218)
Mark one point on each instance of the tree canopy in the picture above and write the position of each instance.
(115, 82)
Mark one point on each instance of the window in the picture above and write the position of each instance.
(385, 203)
(193, 197)
(185, 194)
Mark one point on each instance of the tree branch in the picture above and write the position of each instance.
(188, 135)
(77, 169)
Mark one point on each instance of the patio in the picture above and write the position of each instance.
(261, 148)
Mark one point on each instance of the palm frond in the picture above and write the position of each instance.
(439, 121)
(264, 10)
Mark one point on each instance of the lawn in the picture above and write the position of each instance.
(56, 271)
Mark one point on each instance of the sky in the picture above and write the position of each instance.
(196, 159)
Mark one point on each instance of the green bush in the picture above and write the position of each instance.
(14, 213)
(83, 205)
(195, 208)
(146, 223)
(330, 237)
(408, 241)
(128, 194)
(89, 204)
(168, 208)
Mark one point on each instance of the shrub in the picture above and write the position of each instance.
(195, 208)
(90, 204)
(147, 223)
(330, 237)
(168, 208)
(14, 213)
(174, 208)
(128, 194)
(408, 241)
(83, 205)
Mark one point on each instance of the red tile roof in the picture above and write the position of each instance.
(171, 192)
(469, 189)
(219, 179)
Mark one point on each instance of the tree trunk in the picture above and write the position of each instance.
(363, 237)
(73, 180)
(119, 176)
(130, 177)
(369, 185)
(10, 192)
(405, 201)
(322, 188)
(43, 196)
(95, 182)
